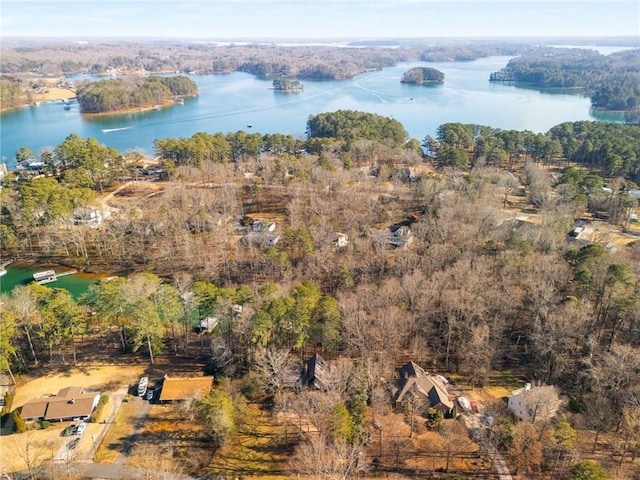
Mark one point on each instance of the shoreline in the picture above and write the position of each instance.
(126, 111)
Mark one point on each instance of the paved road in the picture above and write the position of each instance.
(100, 471)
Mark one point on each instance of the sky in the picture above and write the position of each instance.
(317, 19)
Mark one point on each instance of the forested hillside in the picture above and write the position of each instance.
(124, 93)
(12, 93)
(613, 81)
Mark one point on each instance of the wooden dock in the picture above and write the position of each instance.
(48, 276)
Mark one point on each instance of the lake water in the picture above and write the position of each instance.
(76, 284)
(239, 101)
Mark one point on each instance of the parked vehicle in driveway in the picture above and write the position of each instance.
(142, 386)
(81, 428)
(73, 443)
(149, 394)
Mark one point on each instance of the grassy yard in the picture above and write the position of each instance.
(259, 449)
(120, 428)
(501, 383)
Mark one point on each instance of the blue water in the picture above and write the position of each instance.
(239, 101)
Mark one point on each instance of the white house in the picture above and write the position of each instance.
(533, 404)
(340, 240)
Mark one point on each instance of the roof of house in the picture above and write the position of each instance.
(534, 403)
(181, 388)
(413, 379)
(35, 408)
(70, 402)
(317, 370)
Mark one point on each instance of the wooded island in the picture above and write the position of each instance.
(421, 75)
(287, 85)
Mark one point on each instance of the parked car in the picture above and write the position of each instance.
(73, 443)
(70, 430)
(81, 428)
(149, 394)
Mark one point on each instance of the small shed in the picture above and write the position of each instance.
(207, 325)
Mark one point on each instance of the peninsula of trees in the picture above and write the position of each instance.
(420, 75)
(612, 81)
(115, 95)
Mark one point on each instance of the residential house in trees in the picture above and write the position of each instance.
(400, 237)
(90, 217)
(340, 240)
(262, 234)
(534, 404)
(71, 403)
(315, 373)
(414, 382)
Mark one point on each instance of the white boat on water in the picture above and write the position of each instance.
(3, 271)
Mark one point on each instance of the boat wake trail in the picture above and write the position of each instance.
(108, 130)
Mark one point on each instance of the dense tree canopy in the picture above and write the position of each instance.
(350, 126)
(421, 75)
(612, 148)
(124, 93)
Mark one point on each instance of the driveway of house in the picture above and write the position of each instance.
(472, 421)
(91, 439)
(143, 407)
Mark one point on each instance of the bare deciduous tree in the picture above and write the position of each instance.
(276, 366)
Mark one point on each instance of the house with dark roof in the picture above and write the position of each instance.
(70, 403)
(415, 381)
(316, 372)
(183, 388)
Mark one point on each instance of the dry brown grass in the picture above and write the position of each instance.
(259, 449)
(121, 427)
(175, 438)
(54, 93)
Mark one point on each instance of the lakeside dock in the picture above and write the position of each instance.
(48, 276)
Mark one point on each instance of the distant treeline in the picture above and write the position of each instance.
(124, 93)
(267, 61)
(422, 75)
(613, 81)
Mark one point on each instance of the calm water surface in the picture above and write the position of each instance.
(76, 284)
(239, 101)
